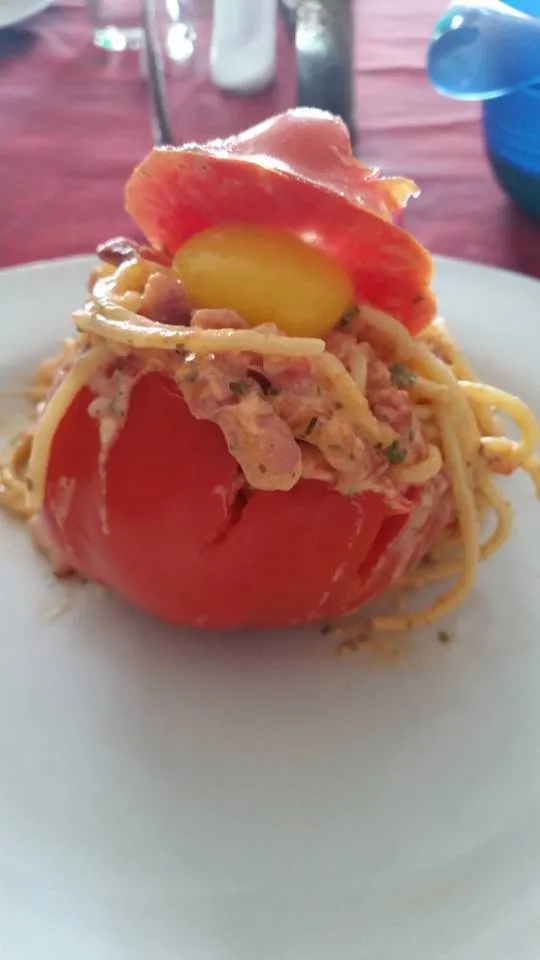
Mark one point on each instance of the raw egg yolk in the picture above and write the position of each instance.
(266, 276)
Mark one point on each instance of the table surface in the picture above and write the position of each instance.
(74, 120)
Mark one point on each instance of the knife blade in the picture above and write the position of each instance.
(324, 57)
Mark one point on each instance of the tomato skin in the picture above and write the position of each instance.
(403, 541)
(159, 528)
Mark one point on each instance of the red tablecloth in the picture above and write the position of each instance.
(73, 121)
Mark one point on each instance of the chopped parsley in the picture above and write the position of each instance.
(394, 452)
(238, 387)
(190, 376)
(350, 314)
(444, 636)
(311, 426)
(401, 376)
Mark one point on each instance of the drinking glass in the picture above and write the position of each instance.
(116, 24)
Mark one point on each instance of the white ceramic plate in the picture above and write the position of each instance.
(166, 794)
(14, 11)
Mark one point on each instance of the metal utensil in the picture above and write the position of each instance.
(161, 125)
(324, 57)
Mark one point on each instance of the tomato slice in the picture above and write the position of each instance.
(163, 524)
(295, 172)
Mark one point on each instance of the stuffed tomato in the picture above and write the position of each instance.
(232, 440)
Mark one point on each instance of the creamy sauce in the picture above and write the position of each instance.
(280, 419)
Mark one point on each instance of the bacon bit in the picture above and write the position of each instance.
(164, 300)
(117, 250)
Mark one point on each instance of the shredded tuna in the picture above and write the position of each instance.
(315, 467)
(279, 418)
(209, 382)
(262, 443)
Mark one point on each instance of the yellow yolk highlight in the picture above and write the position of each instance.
(266, 276)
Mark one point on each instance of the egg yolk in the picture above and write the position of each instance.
(266, 276)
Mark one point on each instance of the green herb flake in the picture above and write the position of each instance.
(190, 376)
(346, 319)
(444, 636)
(401, 376)
(311, 426)
(238, 387)
(394, 452)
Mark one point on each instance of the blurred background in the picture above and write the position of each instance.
(86, 88)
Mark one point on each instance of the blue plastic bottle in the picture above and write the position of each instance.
(512, 136)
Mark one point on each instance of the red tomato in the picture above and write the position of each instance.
(161, 524)
(295, 172)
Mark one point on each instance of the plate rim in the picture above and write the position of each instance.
(34, 7)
